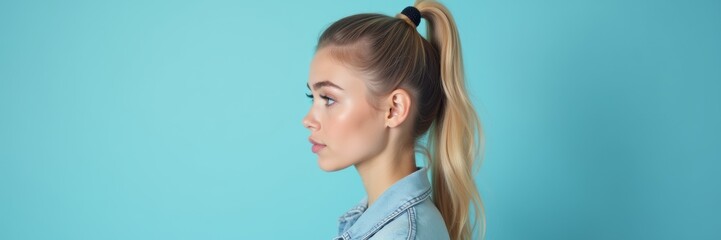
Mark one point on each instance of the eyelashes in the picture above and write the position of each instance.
(329, 101)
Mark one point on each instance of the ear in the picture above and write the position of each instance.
(399, 106)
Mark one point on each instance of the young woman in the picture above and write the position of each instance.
(378, 87)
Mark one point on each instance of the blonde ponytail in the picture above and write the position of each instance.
(452, 139)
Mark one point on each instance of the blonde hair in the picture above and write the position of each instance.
(391, 54)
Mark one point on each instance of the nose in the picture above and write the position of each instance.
(309, 122)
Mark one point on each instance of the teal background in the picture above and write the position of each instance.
(182, 120)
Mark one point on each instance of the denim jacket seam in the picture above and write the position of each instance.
(404, 207)
(412, 223)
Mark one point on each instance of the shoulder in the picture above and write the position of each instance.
(422, 221)
(429, 221)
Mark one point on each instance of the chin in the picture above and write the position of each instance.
(331, 165)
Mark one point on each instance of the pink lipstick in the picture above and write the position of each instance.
(316, 146)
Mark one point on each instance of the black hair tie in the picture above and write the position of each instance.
(413, 14)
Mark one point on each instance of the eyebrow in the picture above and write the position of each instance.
(326, 83)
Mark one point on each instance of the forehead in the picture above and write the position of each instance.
(325, 67)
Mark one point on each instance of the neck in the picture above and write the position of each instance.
(379, 173)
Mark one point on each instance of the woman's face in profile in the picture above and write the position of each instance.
(340, 117)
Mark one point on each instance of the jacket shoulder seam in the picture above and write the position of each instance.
(412, 223)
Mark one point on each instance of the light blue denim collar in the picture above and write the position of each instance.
(360, 221)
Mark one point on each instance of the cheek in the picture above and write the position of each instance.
(356, 133)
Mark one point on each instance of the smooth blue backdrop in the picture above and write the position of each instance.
(182, 119)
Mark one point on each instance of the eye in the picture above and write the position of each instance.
(329, 101)
(309, 96)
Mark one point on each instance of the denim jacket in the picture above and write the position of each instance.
(404, 211)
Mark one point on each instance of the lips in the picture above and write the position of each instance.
(316, 145)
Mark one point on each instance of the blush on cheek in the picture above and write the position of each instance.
(357, 136)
